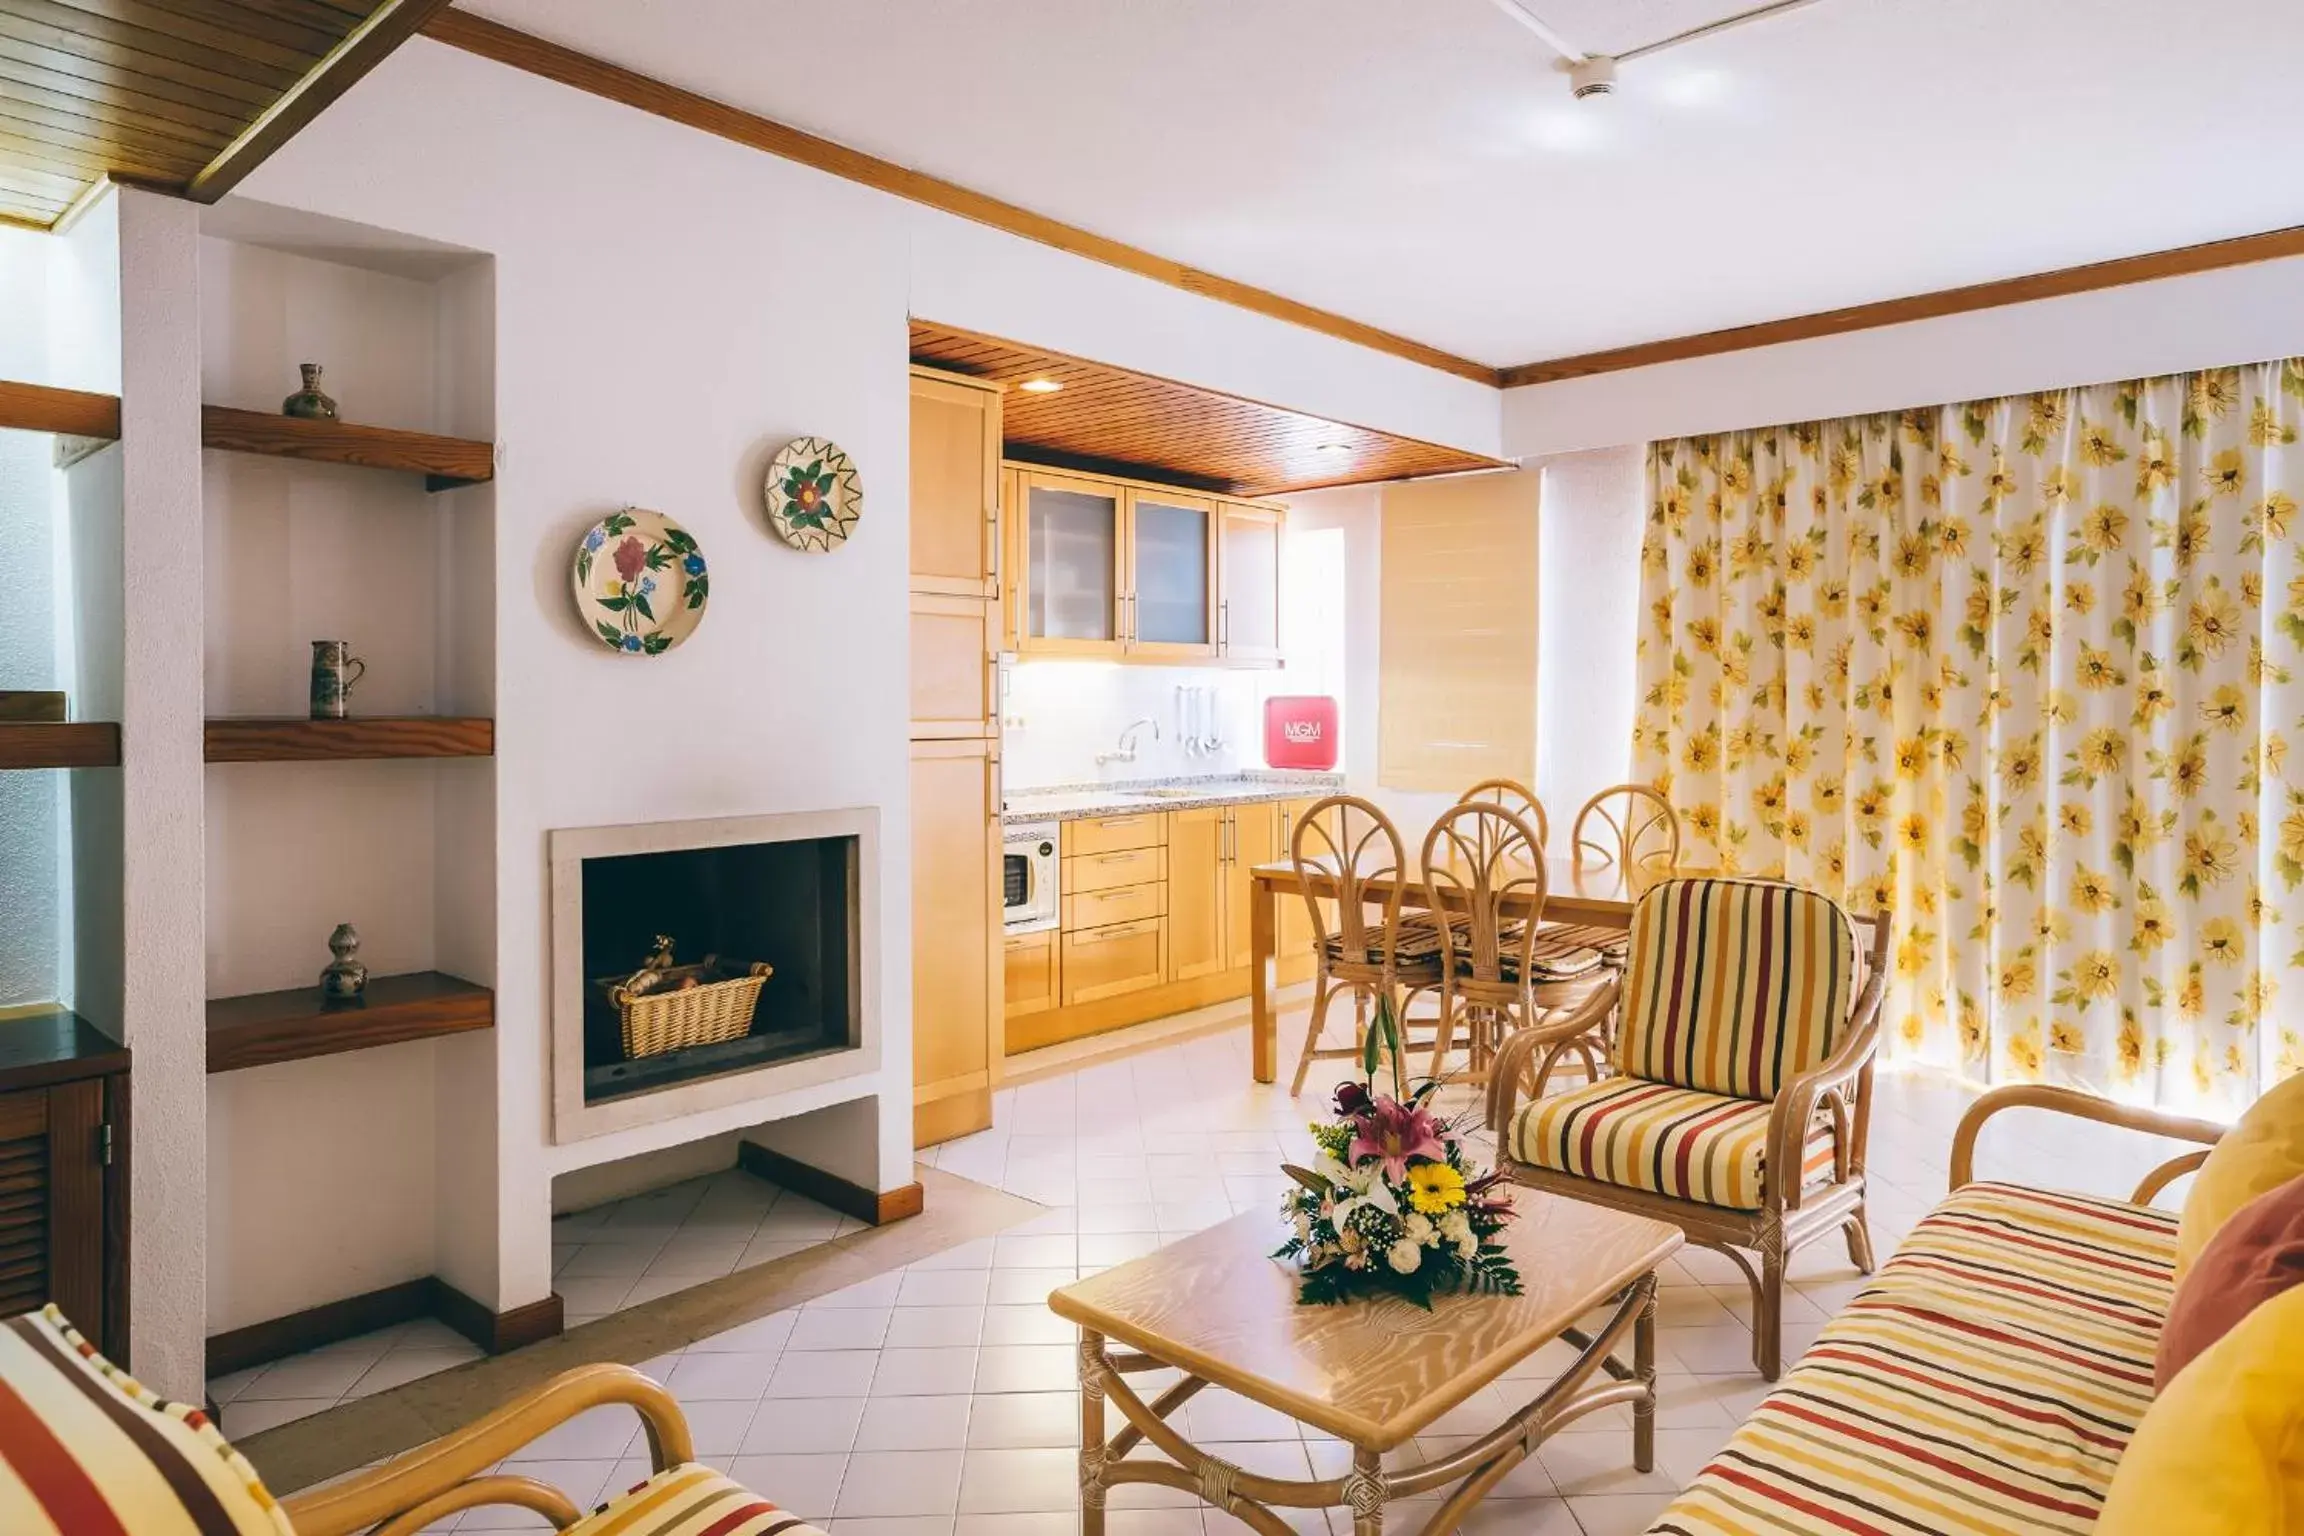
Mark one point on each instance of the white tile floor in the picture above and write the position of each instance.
(604, 1259)
(938, 1401)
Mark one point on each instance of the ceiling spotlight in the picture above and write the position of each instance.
(1040, 386)
(1335, 448)
(1592, 77)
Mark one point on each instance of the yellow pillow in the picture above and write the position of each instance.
(2222, 1450)
(2264, 1151)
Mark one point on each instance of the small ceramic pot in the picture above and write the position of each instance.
(334, 670)
(309, 402)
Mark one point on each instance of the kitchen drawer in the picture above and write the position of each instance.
(1104, 871)
(1118, 904)
(1110, 834)
(1029, 961)
(1109, 962)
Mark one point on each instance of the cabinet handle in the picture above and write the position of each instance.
(1115, 932)
(1223, 626)
(992, 788)
(1126, 856)
(1111, 822)
(1224, 843)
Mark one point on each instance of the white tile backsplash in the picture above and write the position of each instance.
(1058, 715)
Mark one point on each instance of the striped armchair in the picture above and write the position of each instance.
(1748, 1022)
(87, 1450)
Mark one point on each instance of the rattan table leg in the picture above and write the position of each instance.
(1644, 1372)
(1092, 1447)
(1364, 1493)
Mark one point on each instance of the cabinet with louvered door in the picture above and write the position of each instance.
(53, 1156)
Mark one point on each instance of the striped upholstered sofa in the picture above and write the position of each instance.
(86, 1450)
(1986, 1380)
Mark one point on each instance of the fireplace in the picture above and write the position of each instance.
(791, 893)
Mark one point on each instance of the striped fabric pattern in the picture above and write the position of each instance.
(1734, 986)
(690, 1500)
(86, 1450)
(1987, 1380)
(1705, 1147)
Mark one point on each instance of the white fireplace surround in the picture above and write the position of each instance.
(572, 1118)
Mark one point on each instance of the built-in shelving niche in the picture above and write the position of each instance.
(367, 1131)
(60, 667)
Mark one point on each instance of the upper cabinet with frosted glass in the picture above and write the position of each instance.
(1131, 571)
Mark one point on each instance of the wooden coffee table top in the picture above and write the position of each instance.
(1374, 1371)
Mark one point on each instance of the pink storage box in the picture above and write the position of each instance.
(1300, 731)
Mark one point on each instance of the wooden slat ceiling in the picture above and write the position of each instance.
(1132, 423)
(182, 96)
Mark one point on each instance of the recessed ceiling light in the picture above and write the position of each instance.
(1335, 448)
(1040, 386)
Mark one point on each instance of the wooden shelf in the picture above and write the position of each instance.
(59, 744)
(444, 462)
(45, 1045)
(267, 1027)
(291, 740)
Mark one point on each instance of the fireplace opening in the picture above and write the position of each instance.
(791, 906)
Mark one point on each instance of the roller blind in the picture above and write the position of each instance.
(1457, 659)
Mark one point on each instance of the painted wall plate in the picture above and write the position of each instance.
(814, 496)
(640, 582)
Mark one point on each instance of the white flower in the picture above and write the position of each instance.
(1456, 1227)
(1303, 1226)
(1467, 1245)
(1405, 1256)
(1419, 1229)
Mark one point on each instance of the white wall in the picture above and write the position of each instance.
(661, 360)
(1059, 715)
(1588, 558)
(2239, 315)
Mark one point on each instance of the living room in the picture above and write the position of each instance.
(738, 723)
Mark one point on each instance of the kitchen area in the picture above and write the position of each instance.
(1109, 731)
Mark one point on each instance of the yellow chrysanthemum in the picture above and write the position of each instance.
(1435, 1188)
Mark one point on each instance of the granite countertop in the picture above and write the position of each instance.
(1068, 802)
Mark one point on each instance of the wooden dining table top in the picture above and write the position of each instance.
(1588, 891)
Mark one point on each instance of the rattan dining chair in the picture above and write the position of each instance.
(1361, 944)
(1517, 798)
(1745, 1099)
(1629, 827)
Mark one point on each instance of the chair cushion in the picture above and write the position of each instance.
(1734, 986)
(87, 1450)
(2222, 1448)
(1988, 1379)
(2262, 1151)
(2252, 1258)
(1705, 1147)
(690, 1500)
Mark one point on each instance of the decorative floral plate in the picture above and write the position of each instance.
(640, 582)
(814, 497)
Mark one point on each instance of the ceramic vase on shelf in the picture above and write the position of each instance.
(334, 670)
(346, 977)
(308, 402)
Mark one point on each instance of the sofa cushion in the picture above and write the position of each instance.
(2262, 1151)
(1734, 986)
(2253, 1257)
(86, 1449)
(2223, 1448)
(690, 1500)
(1705, 1147)
(1988, 1379)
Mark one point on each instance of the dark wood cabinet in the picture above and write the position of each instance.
(64, 1174)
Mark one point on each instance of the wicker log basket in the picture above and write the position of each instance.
(667, 1007)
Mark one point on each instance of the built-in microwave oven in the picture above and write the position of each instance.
(1029, 896)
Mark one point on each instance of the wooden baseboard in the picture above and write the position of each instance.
(332, 1322)
(955, 1114)
(866, 1205)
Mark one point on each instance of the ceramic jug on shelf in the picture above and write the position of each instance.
(334, 670)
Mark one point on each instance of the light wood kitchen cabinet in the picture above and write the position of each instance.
(956, 469)
(957, 959)
(954, 569)
(1108, 871)
(1116, 904)
(1292, 924)
(1112, 834)
(1169, 571)
(1198, 869)
(1248, 584)
(1029, 971)
(1255, 840)
(1072, 579)
(955, 677)
(1111, 962)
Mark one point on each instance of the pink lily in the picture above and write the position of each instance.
(1393, 1132)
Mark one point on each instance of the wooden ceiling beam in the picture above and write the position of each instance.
(368, 45)
(2210, 256)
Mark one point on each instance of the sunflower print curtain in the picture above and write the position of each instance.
(2025, 671)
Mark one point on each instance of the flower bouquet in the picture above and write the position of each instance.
(1393, 1203)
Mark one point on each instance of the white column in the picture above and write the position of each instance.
(162, 786)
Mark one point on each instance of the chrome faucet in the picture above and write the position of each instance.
(1126, 751)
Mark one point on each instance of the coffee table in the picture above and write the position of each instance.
(1370, 1372)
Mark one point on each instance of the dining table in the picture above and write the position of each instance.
(1598, 894)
